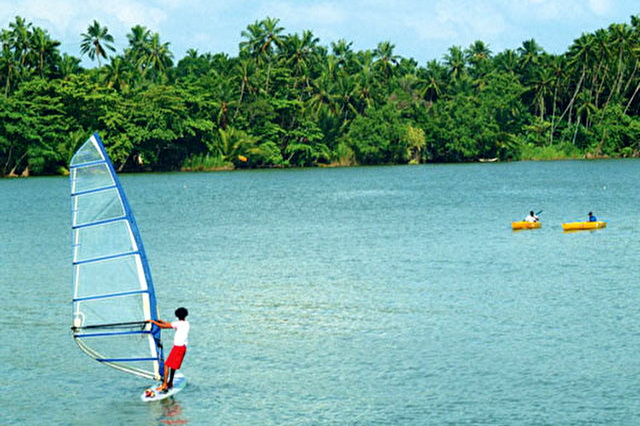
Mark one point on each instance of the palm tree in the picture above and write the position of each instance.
(157, 58)
(323, 98)
(385, 59)
(254, 40)
(433, 77)
(223, 90)
(96, 41)
(580, 56)
(541, 85)
(478, 56)
(455, 63)
(529, 52)
(620, 40)
(558, 65)
(263, 37)
(7, 61)
(635, 24)
(584, 108)
(139, 40)
(68, 65)
(529, 57)
(19, 40)
(365, 78)
(408, 92)
(601, 54)
(116, 74)
(346, 97)
(231, 144)
(506, 61)
(341, 50)
(45, 48)
(271, 35)
(246, 68)
(302, 53)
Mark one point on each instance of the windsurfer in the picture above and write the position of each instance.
(180, 341)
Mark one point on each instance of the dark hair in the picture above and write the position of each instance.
(181, 313)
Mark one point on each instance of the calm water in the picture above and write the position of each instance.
(388, 295)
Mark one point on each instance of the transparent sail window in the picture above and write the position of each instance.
(118, 275)
(120, 346)
(113, 310)
(87, 153)
(97, 206)
(100, 241)
(91, 177)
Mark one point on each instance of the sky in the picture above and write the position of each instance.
(419, 29)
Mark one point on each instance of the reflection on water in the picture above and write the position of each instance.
(170, 412)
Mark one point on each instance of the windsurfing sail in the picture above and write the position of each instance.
(113, 292)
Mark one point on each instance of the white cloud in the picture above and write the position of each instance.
(560, 10)
(67, 19)
(319, 14)
(129, 13)
(54, 15)
(457, 21)
(600, 7)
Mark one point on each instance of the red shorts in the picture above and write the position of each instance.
(175, 357)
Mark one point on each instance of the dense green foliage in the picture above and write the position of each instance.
(286, 100)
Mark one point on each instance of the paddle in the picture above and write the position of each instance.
(539, 212)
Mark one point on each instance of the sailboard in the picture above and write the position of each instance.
(152, 394)
(113, 293)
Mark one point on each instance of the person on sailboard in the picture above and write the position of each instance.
(180, 341)
(532, 217)
(592, 218)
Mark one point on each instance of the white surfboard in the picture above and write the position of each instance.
(151, 394)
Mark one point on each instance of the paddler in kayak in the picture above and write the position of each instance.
(532, 217)
(592, 218)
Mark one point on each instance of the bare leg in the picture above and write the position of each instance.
(166, 375)
(173, 372)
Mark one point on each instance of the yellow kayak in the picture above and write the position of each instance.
(525, 225)
(575, 226)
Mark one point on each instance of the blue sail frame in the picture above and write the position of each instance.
(98, 262)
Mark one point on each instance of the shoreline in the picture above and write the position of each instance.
(586, 157)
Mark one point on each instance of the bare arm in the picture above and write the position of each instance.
(160, 323)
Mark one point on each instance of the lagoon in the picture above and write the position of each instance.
(372, 295)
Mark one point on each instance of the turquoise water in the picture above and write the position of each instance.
(386, 295)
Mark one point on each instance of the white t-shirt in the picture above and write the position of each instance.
(181, 337)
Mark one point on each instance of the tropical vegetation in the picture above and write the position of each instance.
(286, 100)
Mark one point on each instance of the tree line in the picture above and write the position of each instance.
(287, 101)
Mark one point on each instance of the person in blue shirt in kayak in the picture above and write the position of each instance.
(592, 218)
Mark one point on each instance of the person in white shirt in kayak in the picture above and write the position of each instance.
(532, 217)
(180, 340)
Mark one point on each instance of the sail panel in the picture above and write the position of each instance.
(125, 347)
(97, 206)
(87, 153)
(117, 275)
(104, 240)
(112, 310)
(144, 365)
(90, 178)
